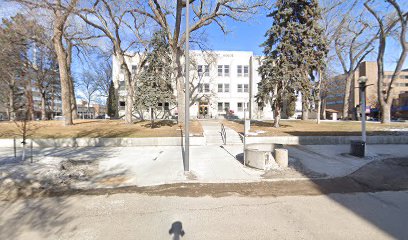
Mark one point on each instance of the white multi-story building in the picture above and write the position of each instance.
(225, 83)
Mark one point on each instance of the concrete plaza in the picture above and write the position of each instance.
(147, 166)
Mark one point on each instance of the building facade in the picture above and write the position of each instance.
(224, 84)
(336, 86)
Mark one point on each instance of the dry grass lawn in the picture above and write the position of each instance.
(326, 128)
(98, 128)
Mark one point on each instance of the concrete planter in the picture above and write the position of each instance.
(259, 155)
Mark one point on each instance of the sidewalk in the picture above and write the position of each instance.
(148, 166)
(212, 133)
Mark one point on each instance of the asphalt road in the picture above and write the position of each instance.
(381, 215)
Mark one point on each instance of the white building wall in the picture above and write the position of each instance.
(233, 59)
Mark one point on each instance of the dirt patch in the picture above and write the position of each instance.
(295, 169)
(310, 128)
(25, 179)
(384, 174)
(98, 129)
(113, 181)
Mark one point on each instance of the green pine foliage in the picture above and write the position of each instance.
(154, 87)
(294, 49)
(112, 102)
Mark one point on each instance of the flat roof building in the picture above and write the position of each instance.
(336, 89)
(225, 83)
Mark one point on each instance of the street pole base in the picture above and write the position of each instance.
(357, 148)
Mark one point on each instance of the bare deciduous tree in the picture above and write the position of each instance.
(115, 20)
(386, 24)
(353, 40)
(89, 86)
(60, 11)
(168, 16)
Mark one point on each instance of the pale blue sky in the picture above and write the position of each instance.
(245, 36)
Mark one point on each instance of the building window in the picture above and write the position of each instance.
(206, 87)
(220, 108)
(246, 71)
(239, 71)
(200, 70)
(226, 71)
(239, 88)
(203, 69)
(223, 106)
(220, 88)
(226, 88)
(166, 106)
(200, 87)
(227, 106)
(207, 70)
(246, 88)
(223, 70)
(122, 105)
(134, 68)
(240, 107)
(122, 86)
(219, 70)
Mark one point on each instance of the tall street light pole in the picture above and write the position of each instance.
(362, 82)
(358, 148)
(187, 96)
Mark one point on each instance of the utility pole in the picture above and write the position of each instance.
(187, 96)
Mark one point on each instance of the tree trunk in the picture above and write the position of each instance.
(30, 101)
(130, 87)
(151, 117)
(52, 103)
(323, 106)
(319, 105)
(305, 108)
(43, 109)
(319, 98)
(346, 98)
(277, 115)
(177, 54)
(64, 72)
(385, 113)
(74, 107)
(12, 112)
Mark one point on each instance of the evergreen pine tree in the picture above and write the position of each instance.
(112, 102)
(295, 47)
(154, 86)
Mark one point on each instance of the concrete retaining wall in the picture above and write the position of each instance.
(106, 142)
(327, 140)
(200, 141)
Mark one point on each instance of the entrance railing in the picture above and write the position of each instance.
(223, 134)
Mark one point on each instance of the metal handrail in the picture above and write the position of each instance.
(223, 134)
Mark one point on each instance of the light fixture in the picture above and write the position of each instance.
(362, 79)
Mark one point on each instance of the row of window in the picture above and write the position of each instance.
(223, 70)
(223, 106)
(161, 106)
(334, 102)
(396, 84)
(205, 88)
(401, 76)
